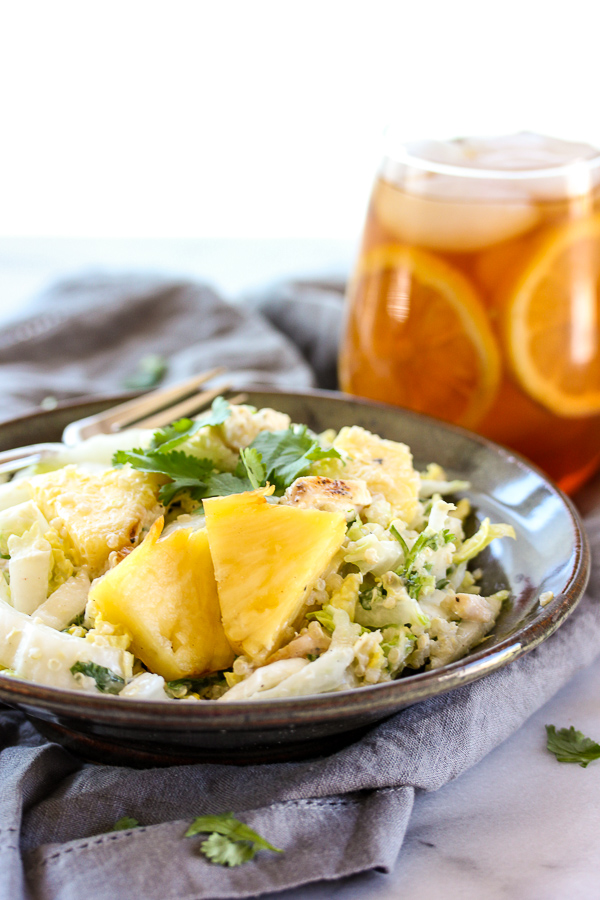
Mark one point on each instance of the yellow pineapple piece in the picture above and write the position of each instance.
(386, 466)
(267, 559)
(164, 594)
(96, 514)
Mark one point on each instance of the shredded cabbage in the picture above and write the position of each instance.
(480, 540)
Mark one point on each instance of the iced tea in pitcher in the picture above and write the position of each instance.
(476, 297)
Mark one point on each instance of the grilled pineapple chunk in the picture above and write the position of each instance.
(164, 594)
(97, 513)
(386, 466)
(267, 559)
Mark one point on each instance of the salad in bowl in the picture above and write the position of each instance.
(238, 556)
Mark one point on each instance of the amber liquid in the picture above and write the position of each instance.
(403, 346)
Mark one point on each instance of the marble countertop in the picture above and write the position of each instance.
(517, 825)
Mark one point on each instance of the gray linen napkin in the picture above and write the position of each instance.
(334, 816)
(86, 336)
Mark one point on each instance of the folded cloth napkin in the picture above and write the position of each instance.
(87, 336)
(333, 816)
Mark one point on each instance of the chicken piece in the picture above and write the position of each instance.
(316, 492)
(311, 641)
(386, 467)
(244, 424)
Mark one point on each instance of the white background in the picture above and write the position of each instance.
(260, 119)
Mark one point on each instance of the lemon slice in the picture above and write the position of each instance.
(552, 321)
(421, 337)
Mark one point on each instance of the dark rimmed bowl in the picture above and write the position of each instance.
(550, 554)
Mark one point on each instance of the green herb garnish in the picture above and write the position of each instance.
(106, 680)
(287, 455)
(125, 823)
(182, 686)
(415, 581)
(187, 472)
(220, 410)
(571, 746)
(230, 842)
(150, 371)
(256, 471)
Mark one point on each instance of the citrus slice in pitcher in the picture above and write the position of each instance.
(552, 321)
(422, 335)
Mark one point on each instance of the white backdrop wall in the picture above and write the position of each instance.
(184, 118)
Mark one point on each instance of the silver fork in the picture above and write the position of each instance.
(153, 410)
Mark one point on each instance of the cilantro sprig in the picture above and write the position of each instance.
(229, 842)
(571, 746)
(276, 458)
(106, 680)
(166, 439)
(287, 455)
(187, 473)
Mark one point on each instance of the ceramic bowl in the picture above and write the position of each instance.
(550, 554)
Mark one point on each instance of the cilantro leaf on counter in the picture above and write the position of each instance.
(230, 842)
(125, 823)
(286, 455)
(106, 680)
(571, 746)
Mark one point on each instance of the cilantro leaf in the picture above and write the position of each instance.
(125, 823)
(221, 484)
(220, 410)
(571, 746)
(230, 842)
(187, 472)
(225, 852)
(150, 371)
(167, 439)
(286, 455)
(252, 461)
(106, 680)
